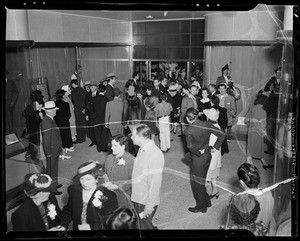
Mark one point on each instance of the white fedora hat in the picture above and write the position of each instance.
(211, 114)
(50, 105)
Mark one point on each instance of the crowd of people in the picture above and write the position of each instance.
(125, 123)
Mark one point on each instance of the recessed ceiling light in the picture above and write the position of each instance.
(149, 16)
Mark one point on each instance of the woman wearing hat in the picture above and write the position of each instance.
(40, 210)
(89, 203)
(67, 99)
(62, 121)
(215, 163)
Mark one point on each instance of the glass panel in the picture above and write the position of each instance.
(139, 39)
(138, 28)
(156, 53)
(197, 53)
(197, 39)
(198, 26)
(196, 70)
(177, 53)
(139, 52)
(141, 67)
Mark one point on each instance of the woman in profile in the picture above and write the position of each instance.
(122, 218)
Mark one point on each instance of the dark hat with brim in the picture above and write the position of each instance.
(37, 182)
(225, 67)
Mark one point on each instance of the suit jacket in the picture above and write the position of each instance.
(89, 106)
(99, 103)
(95, 216)
(51, 137)
(186, 103)
(78, 98)
(197, 136)
(162, 89)
(28, 217)
(109, 92)
(113, 113)
(63, 114)
(222, 120)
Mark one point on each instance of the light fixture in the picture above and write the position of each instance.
(165, 13)
(149, 16)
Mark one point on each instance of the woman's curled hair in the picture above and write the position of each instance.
(121, 218)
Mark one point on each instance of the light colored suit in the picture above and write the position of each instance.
(113, 116)
(228, 102)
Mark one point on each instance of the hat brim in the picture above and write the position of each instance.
(54, 108)
(33, 191)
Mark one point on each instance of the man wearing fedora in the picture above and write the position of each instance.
(111, 78)
(52, 143)
(40, 210)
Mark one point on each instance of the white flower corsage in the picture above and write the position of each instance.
(121, 162)
(51, 211)
(99, 198)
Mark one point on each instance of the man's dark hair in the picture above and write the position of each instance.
(135, 74)
(215, 100)
(102, 88)
(74, 81)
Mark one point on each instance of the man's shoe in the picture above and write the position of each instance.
(57, 193)
(196, 210)
(91, 144)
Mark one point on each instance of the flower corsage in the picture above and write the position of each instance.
(51, 211)
(121, 162)
(99, 198)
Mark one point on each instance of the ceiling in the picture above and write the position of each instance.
(137, 16)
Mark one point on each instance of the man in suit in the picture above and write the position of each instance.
(113, 114)
(52, 143)
(101, 132)
(222, 121)
(212, 88)
(111, 80)
(89, 110)
(78, 98)
(156, 90)
(227, 102)
(134, 81)
(197, 139)
(163, 89)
